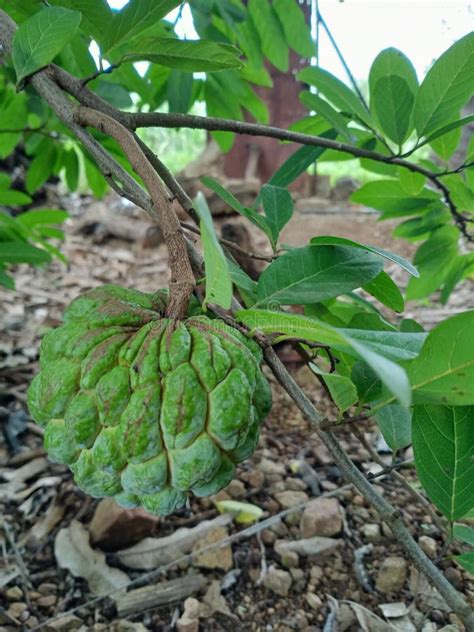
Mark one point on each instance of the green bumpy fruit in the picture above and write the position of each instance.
(144, 408)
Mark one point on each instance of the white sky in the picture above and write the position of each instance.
(422, 29)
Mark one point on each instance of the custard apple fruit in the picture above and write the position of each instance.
(144, 408)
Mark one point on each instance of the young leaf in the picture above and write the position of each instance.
(433, 259)
(389, 197)
(443, 445)
(38, 40)
(411, 181)
(278, 206)
(443, 372)
(298, 162)
(71, 168)
(316, 273)
(40, 168)
(244, 513)
(394, 422)
(447, 128)
(392, 62)
(11, 197)
(218, 281)
(18, 252)
(137, 16)
(342, 241)
(187, 56)
(335, 91)
(42, 216)
(392, 375)
(386, 291)
(464, 533)
(446, 145)
(393, 103)
(466, 560)
(297, 30)
(446, 87)
(271, 33)
(342, 389)
(325, 109)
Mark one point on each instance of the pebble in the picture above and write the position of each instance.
(272, 506)
(255, 478)
(358, 500)
(268, 537)
(32, 622)
(428, 546)
(14, 593)
(46, 601)
(289, 499)
(276, 488)
(316, 574)
(290, 559)
(235, 489)
(47, 588)
(391, 575)
(371, 532)
(16, 608)
(321, 454)
(216, 557)
(313, 601)
(454, 576)
(278, 581)
(271, 467)
(293, 519)
(322, 516)
(64, 624)
(295, 484)
(297, 574)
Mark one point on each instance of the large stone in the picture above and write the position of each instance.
(322, 516)
(113, 527)
(218, 557)
(278, 581)
(392, 575)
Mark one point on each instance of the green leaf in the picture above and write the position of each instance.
(234, 203)
(411, 181)
(386, 291)
(369, 386)
(433, 259)
(19, 252)
(38, 40)
(246, 286)
(464, 533)
(218, 281)
(71, 168)
(316, 273)
(342, 241)
(95, 179)
(445, 145)
(298, 162)
(314, 125)
(179, 91)
(137, 16)
(11, 197)
(6, 280)
(342, 389)
(447, 128)
(335, 91)
(393, 103)
(466, 560)
(96, 15)
(394, 345)
(443, 372)
(278, 206)
(392, 375)
(325, 109)
(389, 197)
(271, 33)
(456, 272)
(446, 88)
(394, 422)
(40, 168)
(443, 445)
(187, 56)
(296, 28)
(43, 216)
(391, 62)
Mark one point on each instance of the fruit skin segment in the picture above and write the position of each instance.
(144, 408)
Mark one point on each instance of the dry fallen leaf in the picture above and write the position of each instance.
(73, 551)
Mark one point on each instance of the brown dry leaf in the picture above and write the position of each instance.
(73, 551)
(46, 523)
(369, 621)
(17, 477)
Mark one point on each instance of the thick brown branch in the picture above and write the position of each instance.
(182, 278)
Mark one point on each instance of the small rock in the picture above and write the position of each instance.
(322, 516)
(219, 557)
(290, 559)
(276, 488)
(14, 593)
(358, 500)
(268, 537)
(47, 588)
(293, 519)
(307, 546)
(394, 610)
(313, 601)
(289, 499)
(33, 622)
(371, 532)
(46, 601)
(316, 574)
(64, 624)
(235, 489)
(450, 628)
(344, 188)
(428, 546)
(24, 616)
(278, 581)
(321, 454)
(295, 484)
(392, 575)
(387, 532)
(297, 574)
(454, 576)
(222, 495)
(113, 527)
(255, 478)
(271, 467)
(16, 608)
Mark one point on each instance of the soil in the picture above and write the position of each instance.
(262, 590)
